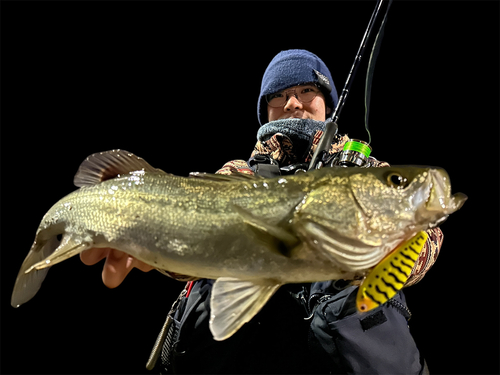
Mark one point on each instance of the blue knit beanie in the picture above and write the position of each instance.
(291, 68)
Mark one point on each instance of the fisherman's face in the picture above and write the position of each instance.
(293, 108)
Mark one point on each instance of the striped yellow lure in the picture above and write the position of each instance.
(390, 275)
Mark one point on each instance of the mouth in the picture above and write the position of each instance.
(441, 202)
(300, 115)
(440, 198)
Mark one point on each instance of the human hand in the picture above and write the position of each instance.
(117, 266)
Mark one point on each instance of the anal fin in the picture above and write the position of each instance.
(235, 302)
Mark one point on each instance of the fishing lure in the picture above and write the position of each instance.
(390, 275)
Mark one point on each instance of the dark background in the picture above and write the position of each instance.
(177, 84)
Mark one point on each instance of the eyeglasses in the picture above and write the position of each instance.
(303, 93)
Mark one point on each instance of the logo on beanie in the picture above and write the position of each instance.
(323, 80)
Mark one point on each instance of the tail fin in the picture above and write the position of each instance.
(28, 284)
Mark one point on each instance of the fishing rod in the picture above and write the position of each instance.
(355, 152)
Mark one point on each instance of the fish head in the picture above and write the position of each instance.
(399, 201)
(354, 217)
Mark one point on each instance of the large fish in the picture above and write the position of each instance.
(251, 234)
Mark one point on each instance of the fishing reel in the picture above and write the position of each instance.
(354, 154)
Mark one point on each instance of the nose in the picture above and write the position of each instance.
(292, 103)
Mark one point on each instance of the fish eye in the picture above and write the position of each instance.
(396, 180)
(59, 237)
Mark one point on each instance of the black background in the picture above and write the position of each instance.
(177, 84)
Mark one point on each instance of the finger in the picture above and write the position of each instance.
(92, 256)
(116, 268)
(139, 265)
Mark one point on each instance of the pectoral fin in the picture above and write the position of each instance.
(390, 275)
(235, 302)
(274, 236)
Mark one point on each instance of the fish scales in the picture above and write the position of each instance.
(175, 217)
(251, 234)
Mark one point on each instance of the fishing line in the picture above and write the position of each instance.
(331, 126)
(371, 67)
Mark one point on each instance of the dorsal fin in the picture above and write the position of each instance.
(106, 165)
(234, 176)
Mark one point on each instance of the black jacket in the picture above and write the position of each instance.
(304, 328)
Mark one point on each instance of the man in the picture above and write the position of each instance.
(306, 328)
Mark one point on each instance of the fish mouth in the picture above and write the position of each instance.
(440, 202)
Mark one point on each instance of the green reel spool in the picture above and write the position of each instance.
(355, 153)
